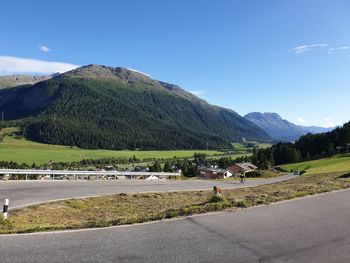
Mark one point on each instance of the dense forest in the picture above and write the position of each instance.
(98, 107)
(310, 146)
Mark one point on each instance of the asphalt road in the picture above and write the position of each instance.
(313, 229)
(22, 193)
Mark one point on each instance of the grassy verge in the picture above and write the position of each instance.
(122, 209)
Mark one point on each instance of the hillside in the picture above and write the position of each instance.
(337, 163)
(116, 108)
(280, 129)
(17, 80)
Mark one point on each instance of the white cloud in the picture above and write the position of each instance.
(138, 71)
(44, 49)
(197, 92)
(15, 65)
(312, 47)
(328, 122)
(301, 120)
(330, 50)
(305, 48)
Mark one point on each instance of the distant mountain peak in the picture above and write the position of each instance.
(281, 129)
(270, 115)
(128, 76)
(10, 81)
(100, 71)
(120, 74)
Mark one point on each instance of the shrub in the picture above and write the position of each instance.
(253, 174)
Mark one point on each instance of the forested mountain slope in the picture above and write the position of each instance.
(116, 108)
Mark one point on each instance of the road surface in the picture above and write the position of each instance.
(313, 229)
(22, 193)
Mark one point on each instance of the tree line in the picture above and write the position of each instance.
(307, 147)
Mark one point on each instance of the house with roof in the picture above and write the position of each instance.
(214, 173)
(343, 149)
(238, 168)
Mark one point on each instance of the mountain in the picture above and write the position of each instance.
(280, 129)
(17, 80)
(315, 129)
(117, 108)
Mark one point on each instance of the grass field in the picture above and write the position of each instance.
(123, 209)
(24, 151)
(242, 147)
(337, 163)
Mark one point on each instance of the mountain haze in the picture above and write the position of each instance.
(117, 108)
(280, 129)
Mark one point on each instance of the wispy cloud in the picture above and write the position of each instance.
(15, 65)
(138, 71)
(331, 50)
(313, 47)
(306, 48)
(197, 92)
(328, 122)
(301, 120)
(44, 49)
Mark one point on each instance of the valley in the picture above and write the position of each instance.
(25, 151)
(174, 131)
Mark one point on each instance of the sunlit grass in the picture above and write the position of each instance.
(24, 151)
(337, 163)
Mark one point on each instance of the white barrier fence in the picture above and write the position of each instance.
(62, 174)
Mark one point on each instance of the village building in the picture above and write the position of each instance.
(214, 173)
(241, 167)
(343, 149)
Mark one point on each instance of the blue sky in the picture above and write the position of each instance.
(290, 57)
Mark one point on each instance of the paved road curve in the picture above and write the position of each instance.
(314, 229)
(26, 192)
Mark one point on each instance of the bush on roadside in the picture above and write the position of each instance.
(253, 174)
(218, 199)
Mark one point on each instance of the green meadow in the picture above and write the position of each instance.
(24, 151)
(337, 163)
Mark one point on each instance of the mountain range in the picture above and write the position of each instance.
(116, 108)
(17, 80)
(280, 129)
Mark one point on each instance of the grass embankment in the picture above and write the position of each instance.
(122, 209)
(24, 151)
(337, 163)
